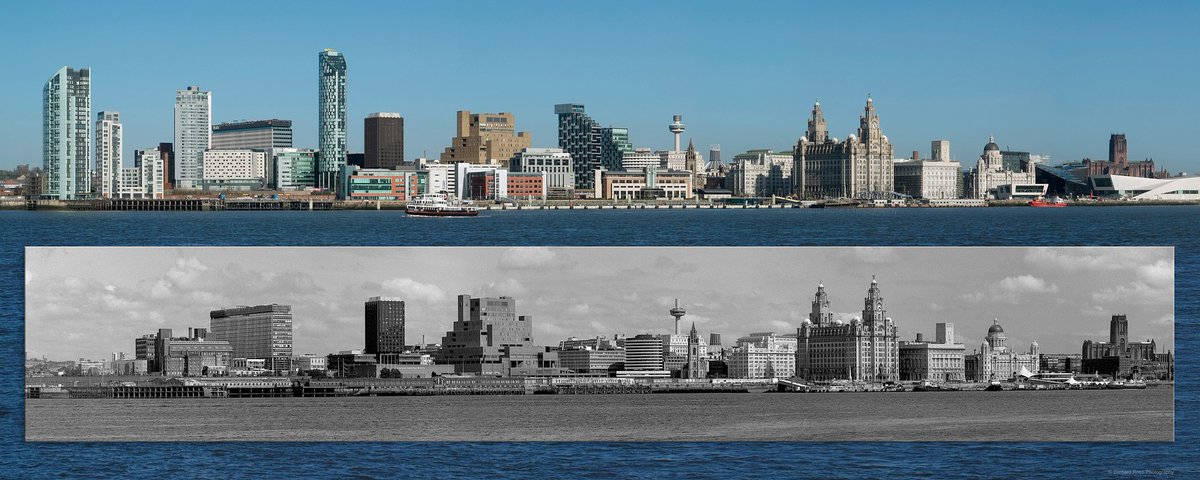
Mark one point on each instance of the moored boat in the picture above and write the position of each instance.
(440, 205)
(1050, 202)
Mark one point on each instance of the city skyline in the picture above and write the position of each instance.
(1050, 85)
(1058, 297)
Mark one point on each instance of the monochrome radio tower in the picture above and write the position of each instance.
(678, 313)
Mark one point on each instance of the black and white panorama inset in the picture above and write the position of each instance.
(599, 344)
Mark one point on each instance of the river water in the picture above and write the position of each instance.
(1092, 416)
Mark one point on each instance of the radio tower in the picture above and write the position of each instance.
(677, 128)
(678, 311)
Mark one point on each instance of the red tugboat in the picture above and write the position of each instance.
(1051, 202)
(439, 205)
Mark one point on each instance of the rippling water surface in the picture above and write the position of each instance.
(1178, 226)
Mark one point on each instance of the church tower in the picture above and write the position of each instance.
(817, 132)
(694, 359)
(1118, 333)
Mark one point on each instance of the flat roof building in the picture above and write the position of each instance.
(384, 321)
(253, 134)
(261, 331)
(383, 140)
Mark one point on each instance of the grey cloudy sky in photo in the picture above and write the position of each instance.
(87, 302)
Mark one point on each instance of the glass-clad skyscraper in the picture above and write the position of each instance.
(67, 134)
(108, 153)
(331, 120)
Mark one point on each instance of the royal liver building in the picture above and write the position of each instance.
(867, 349)
(859, 167)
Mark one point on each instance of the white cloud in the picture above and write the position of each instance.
(1013, 289)
(527, 257)
(579, 309)
(1091, 259)
(410, 289)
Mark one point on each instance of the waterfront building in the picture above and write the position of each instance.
(644, 353)
(143, 349)
(940, 360)
(293, 168)
(384, 321)
(485, 138)
(147, 178)
(675, 349)
(193, 355)
(555, 163)
(383, 140)
(866, 349)
(591, 146)
(859, 167)
(67, 134)
(1138, 188)
(760, 173)
(990, 173)
(193, 135)
(379, 184)
(260, 331)
(166, 150)
(1060, 363)
(308, 361)
(1120, 357)
(596, 343)
(526, 186)
(252, 134)
(226, 170)
(1118, 162)
(108, 153)
(693, 162)
(487, 332)
(331, 117)
(640, 158)
(591, 360)
(646, 183)
(763, 355)
(995, 361)
(934, 178)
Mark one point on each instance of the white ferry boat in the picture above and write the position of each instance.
(440, 205)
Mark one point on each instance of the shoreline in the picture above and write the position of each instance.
(213, 204)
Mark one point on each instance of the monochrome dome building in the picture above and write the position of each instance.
(995, 361)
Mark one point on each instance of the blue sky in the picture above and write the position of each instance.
(1047, 77)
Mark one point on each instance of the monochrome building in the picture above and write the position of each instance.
(253, 134)
(940, 360)
(383, 318)
(763, 355)
(1121, 357)
(383, 140)
(260, 331)
(193, 135)
(193, 355)
(331, 117)
(859, 167)
(485, 138)
(487, 334)
(866, 349)
(109, 159)
(591, 360)
(234, 170)
(644, 357)
(67, 134)
(995, 361)
(990, 173)
(760, 173)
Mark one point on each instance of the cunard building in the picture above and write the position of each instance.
(859, 167)
(866, 349)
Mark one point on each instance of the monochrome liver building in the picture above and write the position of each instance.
(859, 167)
(867, 349)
